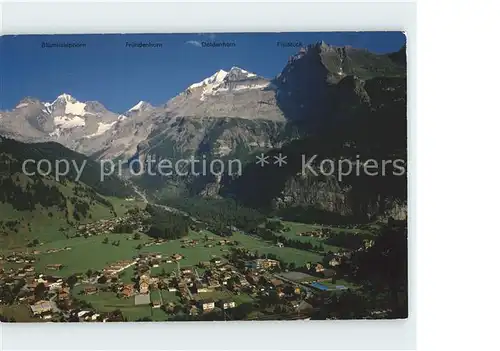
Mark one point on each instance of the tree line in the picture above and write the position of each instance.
(165, 224)
(219, 213)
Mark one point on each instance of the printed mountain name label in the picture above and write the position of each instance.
(217, 44)
(143, 45)
(289, 44)
(48, 45)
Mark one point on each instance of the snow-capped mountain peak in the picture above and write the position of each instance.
(137, 106)
(71, 105)
(215, 78)
(64, 97)
(242, 72)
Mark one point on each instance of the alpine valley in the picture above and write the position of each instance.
(330, 101)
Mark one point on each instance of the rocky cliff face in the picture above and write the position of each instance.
(368, 122)
(306, 88)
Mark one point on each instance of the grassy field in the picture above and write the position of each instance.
(170, 296)
(287, 254)
(34, 224)
(50, 225)
(91, 253)
(108, 301)
(297, 228)
(21, 313)
(86, 253)
(121, 206)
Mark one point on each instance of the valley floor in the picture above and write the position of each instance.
(78, 255)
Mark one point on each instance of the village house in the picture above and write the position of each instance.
(262, 263)
(203, 288)
(144, 284)
(319, 268)
(216, 260)
(223, 242)
(90, 290)
(54, 267)
(63, 295)
(41, 307)
(193, 311)
(29, 268)
(128, 290)
(213, 283)
(280, 292)
(56, 285)
(94, 317)
(186, 271)
(143, 287)
(227, 304)
(177, 257)
(276, 282)
(244, 282)
(253, 277)
(225, 276)
(207, 305)
(84, 314)
(334, 262)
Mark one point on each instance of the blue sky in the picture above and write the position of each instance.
(117, 76)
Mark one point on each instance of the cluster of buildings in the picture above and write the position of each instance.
(117, 267)
(47, 297)
(27, 271)
(158, 241)
(67, 248)
(17, 258)
(106, 226)
(318, 233)
(262, 263)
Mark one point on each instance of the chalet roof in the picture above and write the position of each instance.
(276, 282)
(42, 306)
(204, 301)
